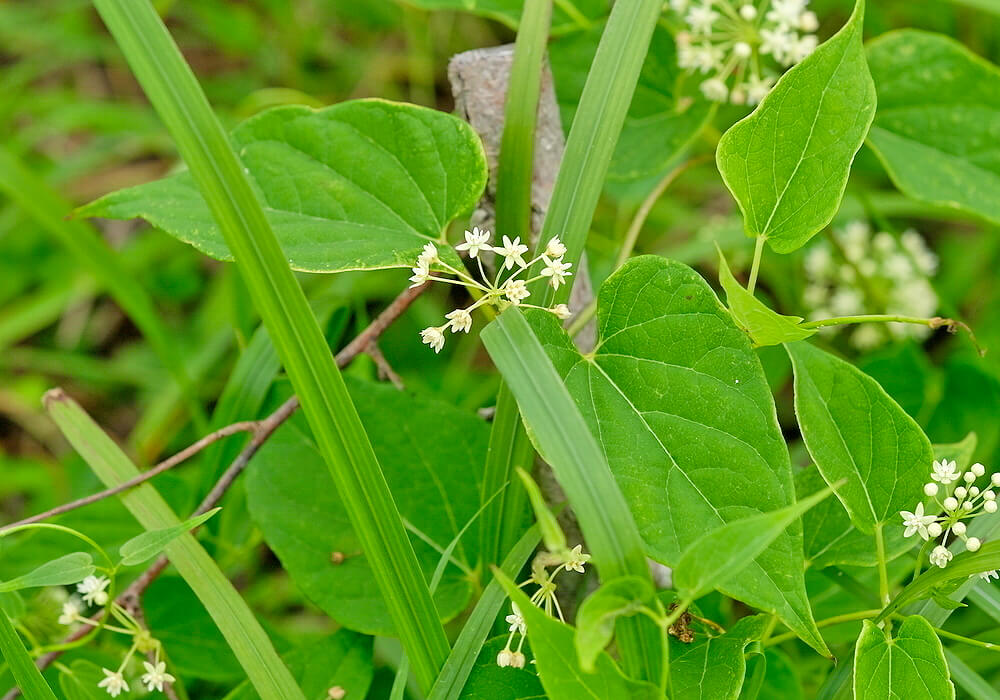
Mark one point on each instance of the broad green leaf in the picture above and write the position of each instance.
(487, 681)
(938, 120)
(781, 682)
(343, 659)
(712, 668)
(855, 431)
(558, 666)
(595, 620)
(79, 681)
(662, 119)
(67, 569)
(829, 537)
(787, 163)
(422, 168)
(678, 400)
(430, 454)
(725, 552)
(147, 545)
(986, 5)
(765, 326)
(22, 666)
(566, 14)
(911, 665)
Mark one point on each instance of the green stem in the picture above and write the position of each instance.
(875, 318)
(966, 640)
(758, 251)
(920, 558)
(883, 571)
(828, 622)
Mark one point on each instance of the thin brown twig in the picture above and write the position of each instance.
(262, 430)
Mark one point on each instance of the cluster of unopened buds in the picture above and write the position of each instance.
(93, 590)
(507, 286)
(961, 502)
(544, 597)
(728, 39)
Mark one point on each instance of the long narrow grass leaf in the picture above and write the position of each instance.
(180, 102)
(29, 678)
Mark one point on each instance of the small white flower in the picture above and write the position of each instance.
(555, 248)
(715, 90)
(92, 590)
(475, 240)
(113, 682)
(461, 320)
(802, 48)
(787, 12)
(916, 521)
(940, 556)
(556, 270)
(155, 676)
(561, 311)
(973, 544)
(420, 275)
(428, 256)
(516, 291)
(778, 42)
(70, 612)
(505, 658)
(944, 471)
(742, 49)
(808, 21)
(987, 575)
(517, 660)
(433, 337)
(701, 18)
(978, 469)
(515, 620)
(748, 12)
(512, 252)
(931, 489)
(577, 559)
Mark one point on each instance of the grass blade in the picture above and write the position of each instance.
(180, 102)
(97, 257)
(971, 682)
(234, 619)
(582, 470)
(29, 678)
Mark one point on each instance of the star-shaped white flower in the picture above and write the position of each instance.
(421, 273)
(945, 472)
(428, 256)
(515, 620)
(113, 682)
(434, 337)
(987, 575)
(92, 590)
(561, 311)
(555, 248)
(461, 320)
(556, 270)
(475, 240)
(701, 18)
(576, 560)
(516, 291)
(70, 611)
(940, 556)
(155, 676)
(917, 521)
(512, 251)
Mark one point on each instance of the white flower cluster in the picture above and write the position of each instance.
(93, 591)
(544, 597)
(961, 502)
(730, 39)
(860, 273)
(506, 288)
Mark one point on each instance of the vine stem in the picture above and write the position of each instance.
(264, 429)
(883, 570)
(828, 622)
(934, 322)
(758, 251)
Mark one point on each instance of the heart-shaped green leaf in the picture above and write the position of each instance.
(357, 186)
(787, 163)
(938, 120)
(678, 400)
(855, 431)
(713, 668)
(910, 665)
(430, 453)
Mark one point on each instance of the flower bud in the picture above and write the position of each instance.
(958, 528)
(995, 478)
(967, 505)
(934, 529)
(931, 489)
(950, 503)
(977, 469)
(990, 506)
(517, 660)
(973, 491)
(961, 492)
(973, 544)
(969, 477)
(505, 658)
